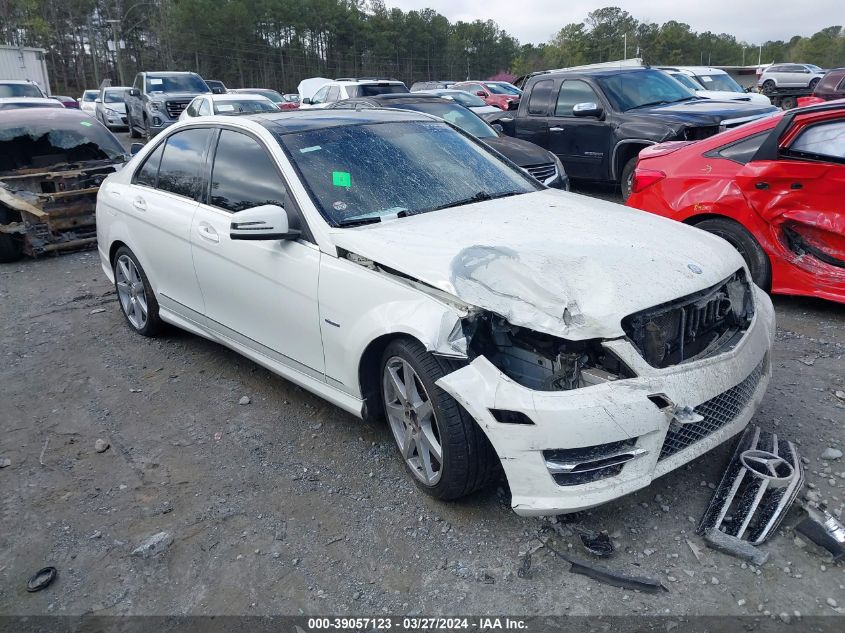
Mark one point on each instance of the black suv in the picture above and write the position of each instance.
(597, 121)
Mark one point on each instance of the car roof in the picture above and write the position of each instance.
(398, 96)
(289, 121)
(238, 96)
(44, 100)
(108, 88)
(16, 81)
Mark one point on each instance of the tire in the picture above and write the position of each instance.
(769, 86)
(148, 135)
(133, 133)
(11, 246)
(787, 103)
(467, 461)
(134, 294)
(738, 237)
(627, 180)
(814, 83)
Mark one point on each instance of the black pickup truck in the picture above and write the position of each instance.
(597, 121)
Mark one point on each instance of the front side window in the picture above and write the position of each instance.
(572, 92)
(333, 94)
(183, 157)
(823, 140)
(244, 175)
(359, 173)
(204, 108)
(192, 109)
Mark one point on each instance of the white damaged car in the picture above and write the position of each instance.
(400, 269)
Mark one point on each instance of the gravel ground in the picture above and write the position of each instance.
(287, 505)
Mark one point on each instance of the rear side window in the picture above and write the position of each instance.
(572, 92)
(149, 170)
(244, 175)
(371, 90)
(181, 162)
(823, 141)
(741, 151)
(333, 95)
(541, 93)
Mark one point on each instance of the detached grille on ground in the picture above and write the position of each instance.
(717, 412)
(175, 107)
(542, 172)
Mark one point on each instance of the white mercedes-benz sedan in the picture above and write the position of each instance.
(402, 270)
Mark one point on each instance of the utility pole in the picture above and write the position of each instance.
(93, 50)
(116, 37)
(624, 46)
(760, 55)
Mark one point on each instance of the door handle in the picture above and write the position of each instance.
(555, 129)
(140, 204)
(796, 185)
(207, 232)
(762, 185)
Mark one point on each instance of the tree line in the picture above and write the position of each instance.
(277, 43)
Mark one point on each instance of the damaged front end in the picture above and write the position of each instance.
(50, 172)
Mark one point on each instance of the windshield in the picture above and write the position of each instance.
(689, 83)
(272, 95)
(113, 96)
(503, 89)
(176, 83)
(628, 90)
(466, 99)
(814, 68)
(457, 115)
(371, 90)
(291, 98)
(247, 106)
(19, 90)
(89, 95)
(360, 172)
(43, 142)
(719, 82)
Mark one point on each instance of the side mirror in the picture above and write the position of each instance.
(98, 100)
(480, 93)
(217, 90)
(307, 101)
(513, 105)
(134, 92)
(135, 148)
(587, 109)
(498, 127)
(265, 222)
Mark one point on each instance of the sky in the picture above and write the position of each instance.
(753, 21)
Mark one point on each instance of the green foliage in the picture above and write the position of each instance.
(277, 43)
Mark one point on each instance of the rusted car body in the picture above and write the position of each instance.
(52, 162)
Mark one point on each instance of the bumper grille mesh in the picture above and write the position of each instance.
(541, 172)
(175, 107)
(717, 412)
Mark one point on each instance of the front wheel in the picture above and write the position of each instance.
(737, 236)
(768, 87)
(628, 178)
(136, 297)
(814, 83)
(447, 453)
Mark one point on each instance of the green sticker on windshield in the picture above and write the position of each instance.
(86, 123)
(341, 179)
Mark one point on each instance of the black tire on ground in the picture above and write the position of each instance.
(814, 83)
(738, 237)
(469, 461)
(787, 103)
(769, 86)
(154, 324)
(133, 133)
(627, 180)
(11, 246)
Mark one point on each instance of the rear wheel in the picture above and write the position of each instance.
(738, 237)
(768, 86)
(447, 453)
(136, 297)
(628, 178)
(814, 83)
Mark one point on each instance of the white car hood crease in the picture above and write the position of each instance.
(551, 261)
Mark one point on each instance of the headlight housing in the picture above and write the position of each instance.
(157, 105)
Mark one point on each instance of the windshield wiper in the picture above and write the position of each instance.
(650, 103)
(481, 196)
(372, 219)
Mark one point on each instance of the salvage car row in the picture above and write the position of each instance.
(401, 258)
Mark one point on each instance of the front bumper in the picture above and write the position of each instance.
(618, 411)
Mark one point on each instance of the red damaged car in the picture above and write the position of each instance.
(773, 188)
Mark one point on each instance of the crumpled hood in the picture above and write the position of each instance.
(552, 261)
(702, 111)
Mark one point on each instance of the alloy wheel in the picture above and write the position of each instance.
(131, 292)
(412, 419)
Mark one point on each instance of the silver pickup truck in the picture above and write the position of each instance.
(156, 99)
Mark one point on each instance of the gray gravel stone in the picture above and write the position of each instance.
(154, 545)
